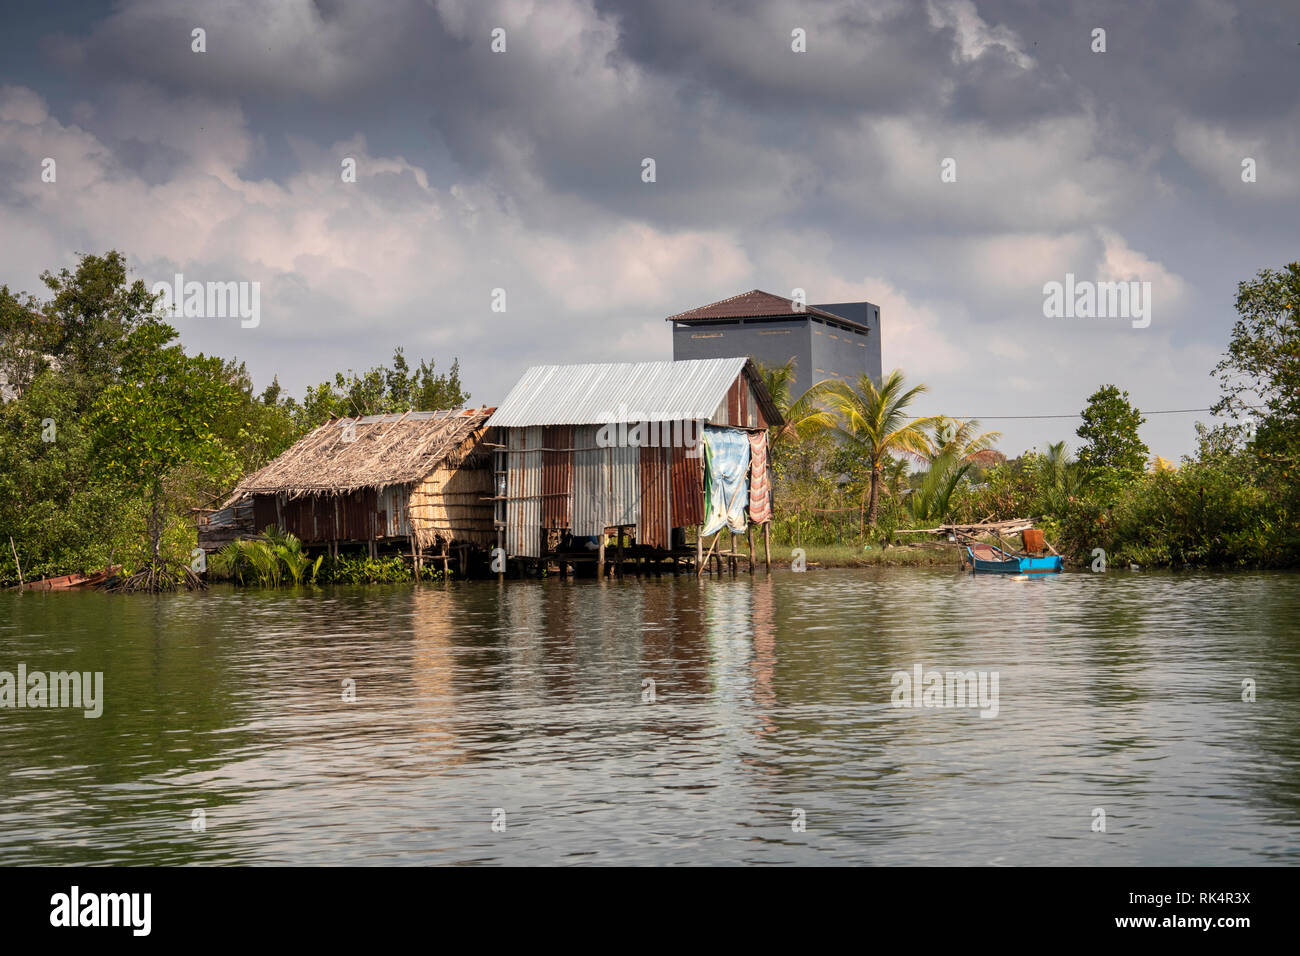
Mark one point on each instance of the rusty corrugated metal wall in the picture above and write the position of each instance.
(742, 409)
(524, 492)
(655, 525)
(624, 484)
(687, 487)
(560, 477)
(591, 509)
(557, 476)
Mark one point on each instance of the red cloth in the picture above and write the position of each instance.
(760, 491)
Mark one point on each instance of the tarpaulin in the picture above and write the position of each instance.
(726, 479)
(760, 492)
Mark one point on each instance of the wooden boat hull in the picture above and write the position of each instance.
(1011, 566)
(66, 582)
(1049, 565)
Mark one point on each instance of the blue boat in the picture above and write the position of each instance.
(986, 559)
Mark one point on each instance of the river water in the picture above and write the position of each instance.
(769, 733)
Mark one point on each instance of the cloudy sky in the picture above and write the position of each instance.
(775, 169)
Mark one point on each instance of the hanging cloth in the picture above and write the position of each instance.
(726, 479)
(760, 491)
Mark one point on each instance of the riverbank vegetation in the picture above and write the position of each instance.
(110, 434)
(278, 559)
(1234, 503)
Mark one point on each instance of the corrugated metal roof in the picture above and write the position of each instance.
(620, 391)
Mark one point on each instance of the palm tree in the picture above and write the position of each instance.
(894, 472)
(1059, 476)
(804, 417)
(874, 425)
(960, 438)
(230, 560)
(930, 502)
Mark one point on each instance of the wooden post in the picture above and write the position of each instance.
(749, 536)
(699, 549)
(699, 568)
(446, 548)
(600, 558)
(767, 545)
(19, 564)
(501, 575)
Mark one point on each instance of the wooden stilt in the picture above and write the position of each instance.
(749, 535)
(767, 545)
(699, 567)
(600, 558)
(699, 551)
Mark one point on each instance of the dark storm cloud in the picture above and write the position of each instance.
(774, 169)
(743, 131)
(883, 60)
(1237, 61)
(713, 93)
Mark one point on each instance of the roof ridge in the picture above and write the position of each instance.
(730, 298)
(702, 312)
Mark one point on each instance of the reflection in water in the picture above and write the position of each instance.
(763, 665)
(1120, 691)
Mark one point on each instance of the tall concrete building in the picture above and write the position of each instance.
(836, 340)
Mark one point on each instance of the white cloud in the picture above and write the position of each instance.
(1217, 153)
(974, 36)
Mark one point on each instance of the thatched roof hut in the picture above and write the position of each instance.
(374, 451)
(415, 474)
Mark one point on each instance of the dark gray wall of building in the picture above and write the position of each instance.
(771, 342)
(820, 350)
(864, 313)
(838, 354)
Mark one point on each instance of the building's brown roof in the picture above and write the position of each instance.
(752, 305)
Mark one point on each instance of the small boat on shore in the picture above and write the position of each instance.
(986, 559)
(67, 582)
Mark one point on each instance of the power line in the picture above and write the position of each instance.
(1167, 411)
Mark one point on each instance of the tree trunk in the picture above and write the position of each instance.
(156, 527)
(874, 507)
